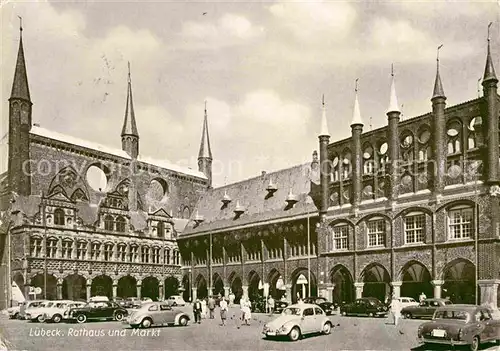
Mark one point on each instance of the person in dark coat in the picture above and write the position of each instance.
(197, 311)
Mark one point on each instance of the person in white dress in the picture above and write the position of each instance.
(204, 308)
(395, 309)
(245, 309)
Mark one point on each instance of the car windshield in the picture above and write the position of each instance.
(456, 315)
(61, 304)
(292, 311)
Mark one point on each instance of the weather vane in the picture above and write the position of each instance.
(392, 69)
(489, 26)
(356, 85)
(439, 47)
(323, 100)
(128, 63)
(20, 23)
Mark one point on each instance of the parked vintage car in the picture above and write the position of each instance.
(35, 314)
(98, 310)
(325, 305)
(425, 308)
(56, 312)
(407, 301)
(369, 306)
(75, 304)
(120, 302)
(156, 313)
(28, 304)
(176, 300)
(298, 320)
(259, 305)
(14, 311)
(132, 302)
(460, 325)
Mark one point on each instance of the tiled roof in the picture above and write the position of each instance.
(113, 151)
(252, 195)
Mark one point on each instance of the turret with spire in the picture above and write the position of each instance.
(356, 155)
(130, 136)
(324, 139)
(439, 132)
(20, 107)
(205, 154)
(393, 116)
(491, 107)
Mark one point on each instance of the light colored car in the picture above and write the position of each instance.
(407, 301)
(98, 298)
(155, 314)
(35, 314)
(298, 320)
(176, 300)
(27, 305)
(55, 313)
(14, 311)
(460, 325)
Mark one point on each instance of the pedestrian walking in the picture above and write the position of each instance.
(204, 308)
(395, 309)
(197, 311)
(231, 299)
(223, 310)
(211, 306)
(270, 303)
(246, 313)
(422, 297)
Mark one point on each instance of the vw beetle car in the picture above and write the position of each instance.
(298, 320)
(14, 311)
(425, 309)
(156, 313)
(369, 306)
(176, 300)
(460, 325)
(35, 313)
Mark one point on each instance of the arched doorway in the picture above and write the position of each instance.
(186, 285)
(201, 287)
(255, 286)
(303, 284)
(171, 286)
(39, 281)
(377, 282)
(277, 287)
(236, 287)
(218, 285)
(343, 285)
(416, 280)
(150, 287)
(459, 282)
(102, 286)
(74, 287)
(127, 287)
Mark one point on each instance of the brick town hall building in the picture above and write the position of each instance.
(411, 207)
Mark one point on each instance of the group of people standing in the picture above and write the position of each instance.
(205, 308)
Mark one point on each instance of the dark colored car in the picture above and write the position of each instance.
(325, 305)
(460, 325)
(259, 305)
(120, 302)
(425, 309)
(369, 306)
(98, 310)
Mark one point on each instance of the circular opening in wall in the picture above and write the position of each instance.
(453, 130)
(383, 148)
(407, 141)
(475, 123)
(367, 154)
(157, 190)
(335, 161)
(96, 177)
(424, 136)
(347, 158)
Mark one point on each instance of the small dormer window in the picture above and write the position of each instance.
(198, 219)
(291, 199)
(238, 210)
(271, 188)
(226, 199)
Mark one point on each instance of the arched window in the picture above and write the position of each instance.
(59, 216)
(160, 229)
(109, 223)
(454, 138)
(120, 224)
(460, 222)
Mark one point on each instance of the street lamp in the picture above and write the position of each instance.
(190, 287)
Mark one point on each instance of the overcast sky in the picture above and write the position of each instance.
(261, 66)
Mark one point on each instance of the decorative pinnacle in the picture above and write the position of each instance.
(489, 71)
(356, 116)
(20, 23)
(438, 86)
(324, 124)
(129, 79)
(393, 100)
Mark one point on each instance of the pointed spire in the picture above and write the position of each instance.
(489, 70)
(205, 150)
(438, 86)
(129, 125)
(324, 123)
(393, 102)
(356, 115)
(20, 88)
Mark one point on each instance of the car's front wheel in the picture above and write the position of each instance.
(118, 316)
(57, 318)
(327, 328)
(81, 318)
(146, 323)
(474, 345)
(408, 315)
(183, 321)
(40, 318)
(294, 334)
